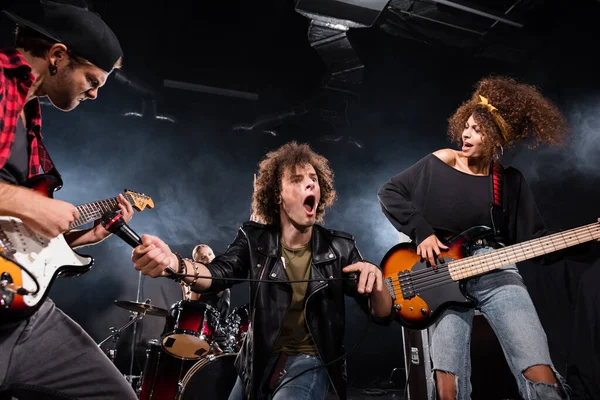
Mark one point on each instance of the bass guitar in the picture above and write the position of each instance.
(421, 293)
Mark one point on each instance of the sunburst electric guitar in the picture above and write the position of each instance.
(29, 263)
(421, 293)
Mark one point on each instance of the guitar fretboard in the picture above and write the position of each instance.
(481, 263)
(89, 212)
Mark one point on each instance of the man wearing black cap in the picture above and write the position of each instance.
(65, 53)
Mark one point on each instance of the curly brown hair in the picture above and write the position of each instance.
(527, 112)
(267, 186)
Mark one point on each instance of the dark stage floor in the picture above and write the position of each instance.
(362, 394)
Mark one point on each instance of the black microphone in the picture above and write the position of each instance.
(114, 223)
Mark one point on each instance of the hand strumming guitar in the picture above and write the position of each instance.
(430, 249)
(43, 215)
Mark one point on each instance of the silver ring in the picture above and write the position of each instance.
(372, 273)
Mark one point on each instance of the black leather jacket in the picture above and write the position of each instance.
(256, 253)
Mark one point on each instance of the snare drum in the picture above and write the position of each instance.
(189, 329)
(211, 378)
(162, 373)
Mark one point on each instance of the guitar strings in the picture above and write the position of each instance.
(94, 210)
(422, 280)
(537, 246)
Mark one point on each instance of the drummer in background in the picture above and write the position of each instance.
(220, 301)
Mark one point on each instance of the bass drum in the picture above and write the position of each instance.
(211, 378)
(162, 373)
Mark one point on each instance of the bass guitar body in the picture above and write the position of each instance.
(422, 293)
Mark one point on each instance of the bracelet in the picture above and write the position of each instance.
(182, 269)
(181, 263)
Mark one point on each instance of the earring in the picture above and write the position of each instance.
(499, 154)
(53, 69)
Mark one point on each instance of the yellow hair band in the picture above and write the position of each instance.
(500, 122)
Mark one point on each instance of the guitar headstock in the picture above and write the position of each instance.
(139, 201)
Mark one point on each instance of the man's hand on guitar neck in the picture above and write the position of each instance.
(43, 215)
(78, 238)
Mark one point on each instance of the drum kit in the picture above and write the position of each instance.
(195, 354)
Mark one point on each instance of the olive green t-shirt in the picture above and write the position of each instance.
(295, 338)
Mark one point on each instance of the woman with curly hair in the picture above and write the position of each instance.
(294, 345)
(449, 191)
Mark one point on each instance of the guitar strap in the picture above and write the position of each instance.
(498, 212)
(47, 164)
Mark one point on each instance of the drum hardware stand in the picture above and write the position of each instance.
(115, 334)
(137, 299)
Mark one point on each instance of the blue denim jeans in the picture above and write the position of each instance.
(504, 301)
(311, 385)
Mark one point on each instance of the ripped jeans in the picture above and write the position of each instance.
(503, 299)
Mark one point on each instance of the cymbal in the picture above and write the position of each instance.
(145, 308)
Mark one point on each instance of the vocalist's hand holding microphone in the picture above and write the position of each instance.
(114, 223)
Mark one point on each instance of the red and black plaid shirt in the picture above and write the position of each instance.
(15, 80)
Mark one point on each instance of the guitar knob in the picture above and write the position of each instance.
(423, 311)
(32, 256)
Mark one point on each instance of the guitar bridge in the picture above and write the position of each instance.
(390, 286)
(6, 247)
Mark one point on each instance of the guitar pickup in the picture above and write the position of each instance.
(406, 285)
